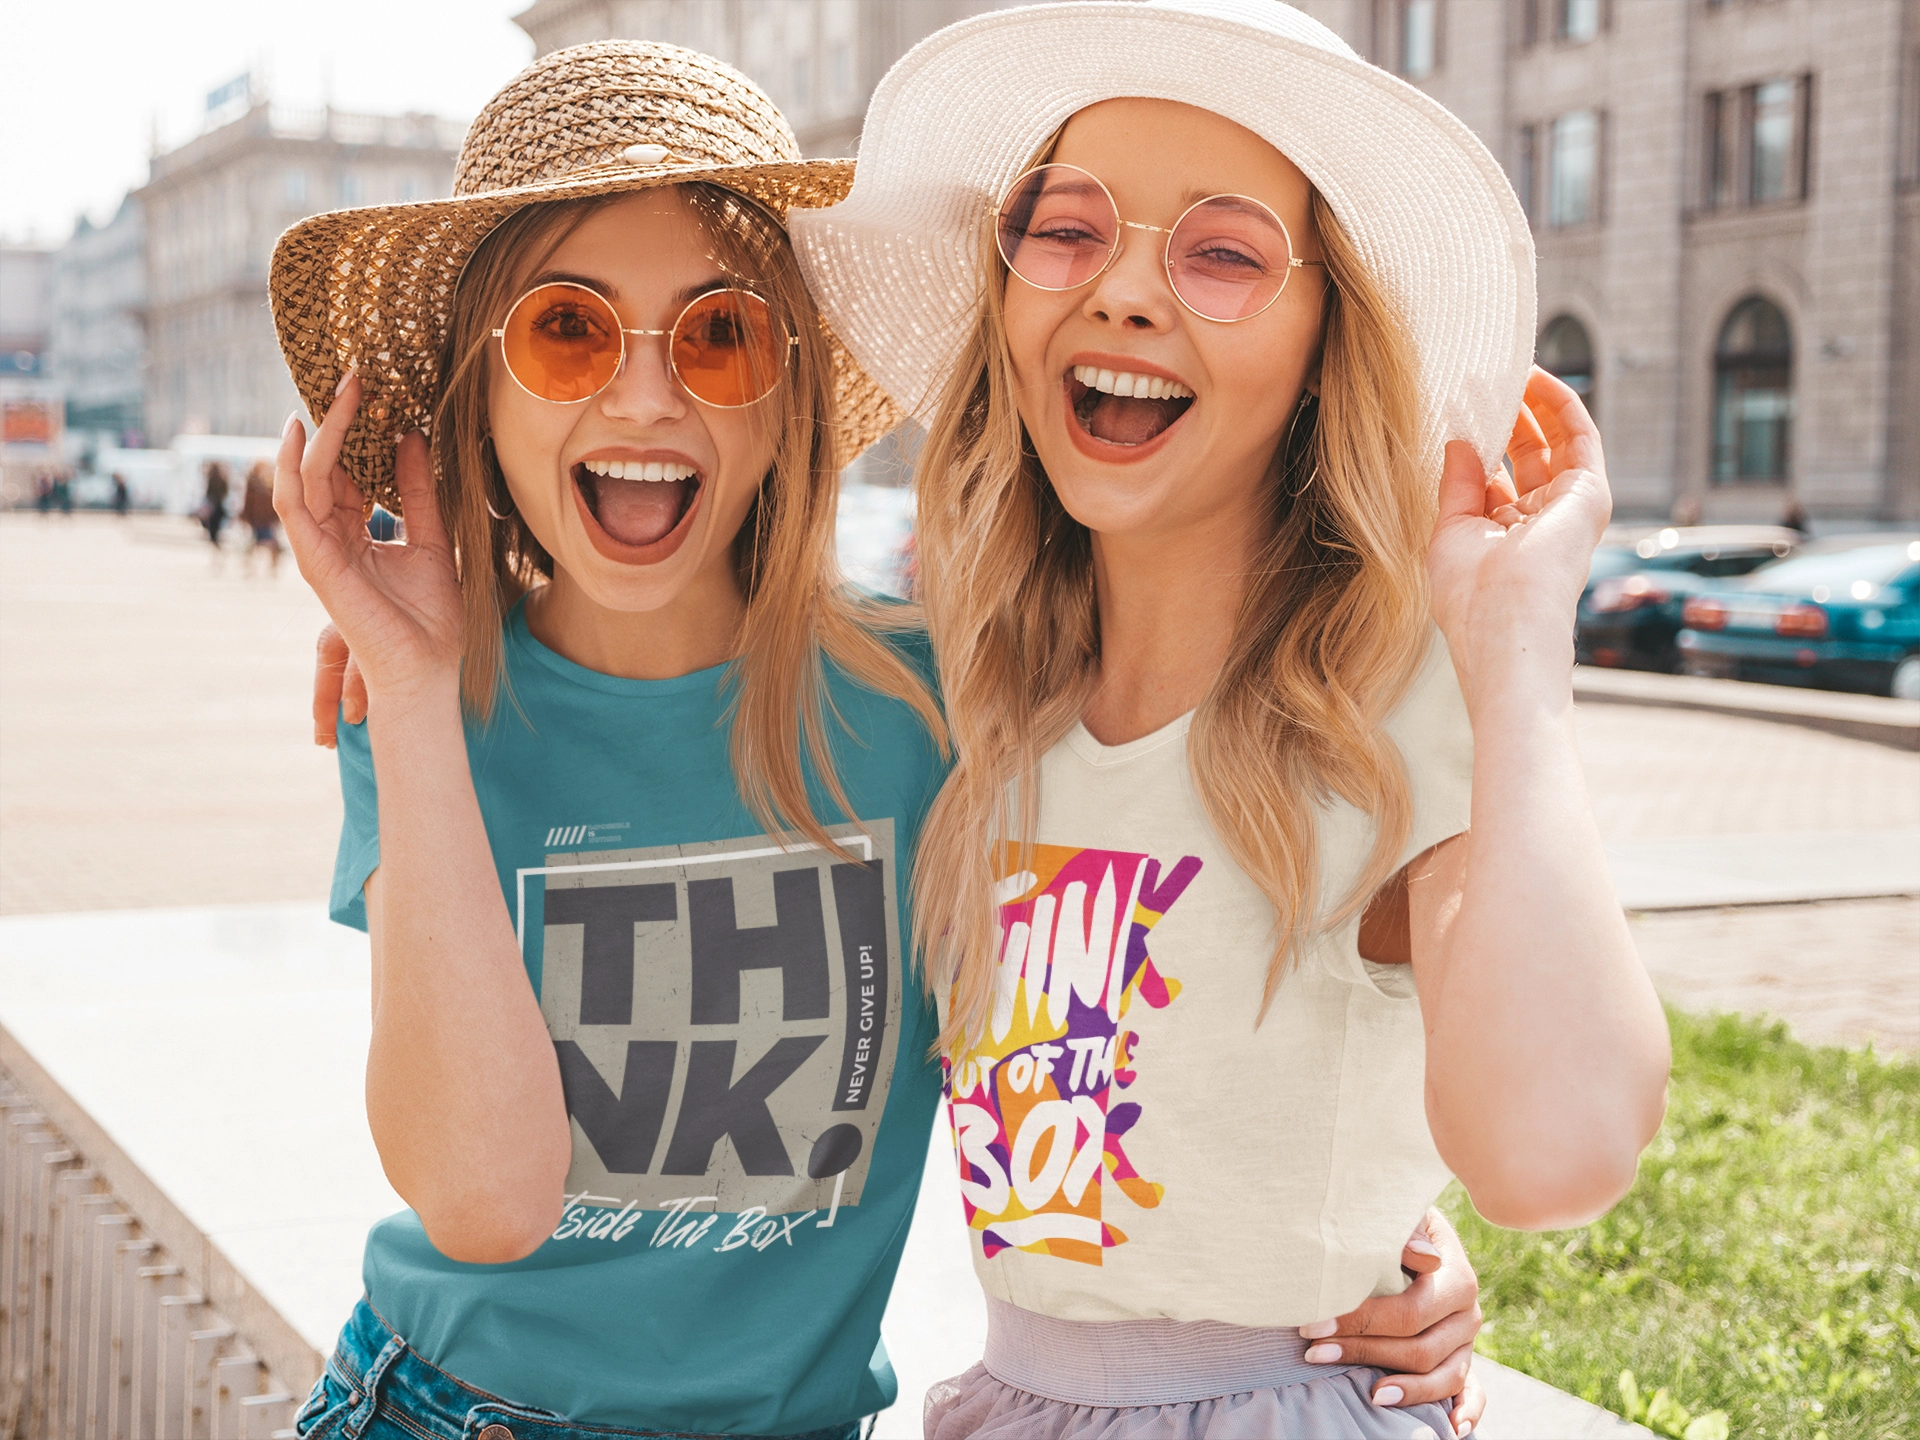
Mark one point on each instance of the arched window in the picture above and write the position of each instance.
(1753, 394)
(1566, 350)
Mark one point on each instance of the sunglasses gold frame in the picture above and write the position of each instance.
(623, 331)
(1294, 262)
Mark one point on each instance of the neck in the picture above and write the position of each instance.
(1168, 603)
(698, 628)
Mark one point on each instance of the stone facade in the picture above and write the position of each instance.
(1806, 195)
(214, 208)
(98, 346)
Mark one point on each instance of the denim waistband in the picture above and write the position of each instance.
(1120, 1364)
(383, 1377)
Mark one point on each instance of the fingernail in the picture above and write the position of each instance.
(293, 419)
(1322, 1354)
(1392, 1395)
(1424, 1247)
(1319, 1329)
(343, 381)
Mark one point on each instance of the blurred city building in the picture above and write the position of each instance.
(213, 209)
(818, 59)
(1725, 197)
(97, 350)
(31, 431)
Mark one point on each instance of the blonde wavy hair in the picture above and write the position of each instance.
(800, 614)
(1333, 626)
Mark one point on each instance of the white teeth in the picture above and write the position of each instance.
(654, 470)
(1126, 382)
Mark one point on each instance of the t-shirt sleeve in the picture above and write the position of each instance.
(1436, 744)
(359, 853)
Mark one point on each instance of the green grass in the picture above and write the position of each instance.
(1766, 1264)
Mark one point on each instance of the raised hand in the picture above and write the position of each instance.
(1509, 556)
(396, 605)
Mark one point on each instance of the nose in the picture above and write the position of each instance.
(644, 390)
(1133, 292)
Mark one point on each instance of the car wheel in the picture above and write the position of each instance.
(1906, 679)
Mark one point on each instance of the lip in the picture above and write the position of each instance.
(1105, 451)
(618, 551)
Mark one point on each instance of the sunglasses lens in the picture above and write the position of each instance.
(1056, 227)
(726, 349)
(1228, 257)
(562, 342)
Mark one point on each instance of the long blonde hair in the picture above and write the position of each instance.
(799, 613)
(1333, 625)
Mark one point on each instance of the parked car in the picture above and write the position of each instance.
(1629, 613)
(1842, 614)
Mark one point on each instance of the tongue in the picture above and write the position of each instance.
(638, 512)
(1122, 420)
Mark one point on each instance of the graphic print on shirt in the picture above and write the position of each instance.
(725, 1017)
(1038, 1125)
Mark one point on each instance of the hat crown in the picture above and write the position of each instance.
(613, 104)
(1269, 15)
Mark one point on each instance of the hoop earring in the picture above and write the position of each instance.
(487, 499)
(1287, 451)
(511, 511)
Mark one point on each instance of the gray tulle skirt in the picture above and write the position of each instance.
(1046, 1379)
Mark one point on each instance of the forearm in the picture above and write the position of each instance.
(463, 1090)
(1546, 1046)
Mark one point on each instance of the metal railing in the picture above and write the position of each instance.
(103, 1334)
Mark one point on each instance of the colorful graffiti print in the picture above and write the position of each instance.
(1034, 1104)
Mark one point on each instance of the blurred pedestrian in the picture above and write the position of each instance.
(213, 506)
(1795, 517)
(63, 491)
(122, 499)
(1686, 510)
(256, 513)
(43, 492)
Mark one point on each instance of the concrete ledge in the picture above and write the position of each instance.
(1520, 1407)
(1860, 717)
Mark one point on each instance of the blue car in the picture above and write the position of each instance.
(1842, 614)
(1629, 612)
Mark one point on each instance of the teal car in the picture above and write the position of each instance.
(1841, 614)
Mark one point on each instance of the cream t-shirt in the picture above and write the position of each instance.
(1133, 1141)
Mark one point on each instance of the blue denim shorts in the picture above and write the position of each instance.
(375, 1388)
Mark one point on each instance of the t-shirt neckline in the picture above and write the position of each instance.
(521, 636)
(1080, 740)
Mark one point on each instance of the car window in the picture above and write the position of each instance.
(1613, 560)
(1719, 563)
(1837, 571)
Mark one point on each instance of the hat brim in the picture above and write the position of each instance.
(372, 290)
(896, 265)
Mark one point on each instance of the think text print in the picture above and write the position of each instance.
(725, 1017)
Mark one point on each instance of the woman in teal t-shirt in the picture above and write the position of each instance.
(633, 741)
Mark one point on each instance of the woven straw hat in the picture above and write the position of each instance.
(372, 288)
(896, 265)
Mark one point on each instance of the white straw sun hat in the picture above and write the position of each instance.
(896, 265)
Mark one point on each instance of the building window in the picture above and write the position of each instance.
(296, 187)
(1529, 24)
(1576, 20)
(1526, 166)
(1573, 180)
(1753, 394)
(1566, 350)
(1419, 38)
(351, 189)
(1754, 143)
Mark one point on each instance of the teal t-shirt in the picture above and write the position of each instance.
(743, 1047)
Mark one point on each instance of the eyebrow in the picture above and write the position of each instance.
(612, 291)
(1245, 206)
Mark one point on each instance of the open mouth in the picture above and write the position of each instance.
(635, 502)
(1121, 407)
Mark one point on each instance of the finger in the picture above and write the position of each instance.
(413, 477)
(1532, 456)
(329, 664)
(1445, 1380)
(290, 493)
(1469, 1405)
(1463, 483)
(1413, 1354)
(1500, 490)
(353, 699)
(1420, 1254)
(323, 454)
(1564, 421)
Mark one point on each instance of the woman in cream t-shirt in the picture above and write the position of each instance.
(1255, 907)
